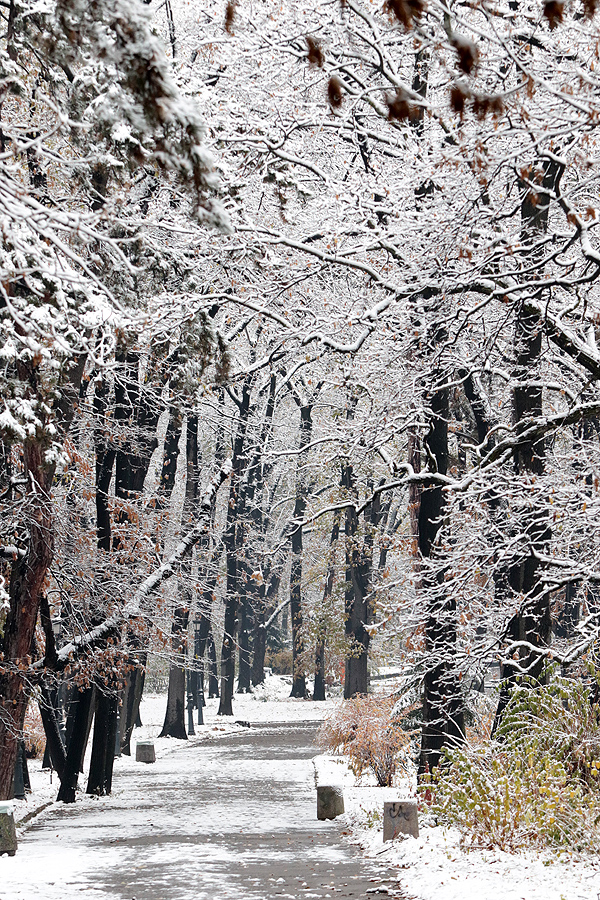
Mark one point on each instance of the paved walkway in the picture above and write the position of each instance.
(233, 818)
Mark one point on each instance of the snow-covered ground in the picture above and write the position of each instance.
(269, 703)
(433, 867)
(228, 814)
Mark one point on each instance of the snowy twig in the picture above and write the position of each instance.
(132, 609)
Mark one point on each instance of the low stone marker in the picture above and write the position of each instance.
(144, 752)
(400, 817)
(330, 801)
(8, 832)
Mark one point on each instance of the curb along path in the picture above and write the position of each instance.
(235, 818)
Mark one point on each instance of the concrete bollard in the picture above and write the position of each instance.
(144, 752)
(330, 802)
(8, 832)
(400, 817)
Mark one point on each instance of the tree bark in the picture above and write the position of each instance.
(443, 713)
(54, 743)
(103, 744)
(76, 745)
(532, 623)
(27, 581)
(266, 607)
(245, 657)
(232, 540)
(359, 565)
(298, 663)
(213, 671)
(174, 724)
(319, 690)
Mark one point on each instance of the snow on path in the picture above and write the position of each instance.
(230, 817)
(431, 868)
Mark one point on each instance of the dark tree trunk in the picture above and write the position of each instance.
(26, 586)
(213, 670)
(359, 564)
(298, 662)
(170, 457)
(298, 673)
(81, 718)
(244, 665)
(54, 743)
(174, 724)
(28, 574)
(229, 637)
(133, 698)
(532, 623)
(105, 457)
(103, 744)
(266, 608)
(259, 646)
(319, 691)
(100, 774)
(443, 714)
(252, 640)
(232, 540)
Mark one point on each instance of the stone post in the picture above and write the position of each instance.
(144, 752)
(400, 817)
(330, 801)
(8, 832)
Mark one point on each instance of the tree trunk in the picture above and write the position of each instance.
(213, 670)
(80, 728)
(532, 623)
(254, 593)
(443, 713)
(100, 773)
(244, 665)
(27, 580)
(266, 609)
(232, 540)
(298, 663)
(319, 691)
(133, 698)
(174, 724)
(54, 743)
(103, 744)
(359, 565)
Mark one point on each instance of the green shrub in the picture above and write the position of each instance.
(537, 784)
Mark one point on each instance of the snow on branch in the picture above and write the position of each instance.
(132, 609)
(566, 339)
(185, 545)
(11, 552)
(275, 613)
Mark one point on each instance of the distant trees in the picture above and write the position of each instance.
(434, 180)
(402, 296)
(89, 98)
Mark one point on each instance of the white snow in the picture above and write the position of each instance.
(268, 703)
(433, 867)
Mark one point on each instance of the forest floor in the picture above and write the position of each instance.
(160, 827)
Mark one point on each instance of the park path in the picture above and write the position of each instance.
(231, 818)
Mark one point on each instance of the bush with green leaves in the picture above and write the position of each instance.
(536, 784)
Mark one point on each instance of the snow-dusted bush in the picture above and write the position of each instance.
(364, 730)
(537, 784)
(33, 731)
